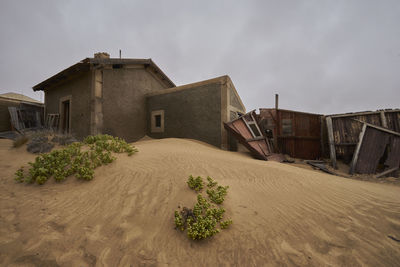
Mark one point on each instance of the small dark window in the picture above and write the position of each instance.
(158, 120)
(117, 66)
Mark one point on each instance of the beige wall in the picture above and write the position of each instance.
(79, 90)
(123, 106)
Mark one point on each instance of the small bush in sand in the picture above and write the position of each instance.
(217, 195)
(195, 183)
(201, 221)
(72, 160)
(20, 140)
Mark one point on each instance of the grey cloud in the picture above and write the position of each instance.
(320, 56)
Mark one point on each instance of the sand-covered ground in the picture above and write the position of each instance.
(282, 215)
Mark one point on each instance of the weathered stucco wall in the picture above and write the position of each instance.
(79, 90)
(124, 102)
(193, 112)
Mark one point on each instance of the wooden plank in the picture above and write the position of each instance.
(386, 172)
(360, 113)
(256, 138)
(256, 124)
(331, 141)
(379, 128)
(242, 129)
(345, 144)
(393, 157)
(383, 119)
(248, 126)
(357, 150)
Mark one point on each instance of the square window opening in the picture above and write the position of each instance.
(158, 121)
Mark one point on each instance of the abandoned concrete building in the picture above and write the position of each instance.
(130, 98)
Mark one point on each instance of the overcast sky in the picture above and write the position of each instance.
(320, 56)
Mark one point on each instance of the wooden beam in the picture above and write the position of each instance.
(386, 172)
(361, 113)
(357, 150)
(383, 119)
(331, 141)
(256, 138)
(379, 128)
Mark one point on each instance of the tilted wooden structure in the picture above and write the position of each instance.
(246, 130)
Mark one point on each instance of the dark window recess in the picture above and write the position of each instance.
(286, 127)
(117, 66)
(255, 130)
(158, 121)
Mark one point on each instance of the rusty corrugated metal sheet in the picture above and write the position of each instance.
(256, 143)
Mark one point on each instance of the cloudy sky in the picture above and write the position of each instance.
(320, 56)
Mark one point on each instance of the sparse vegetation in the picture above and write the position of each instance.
(75, 159)
(201, 221)
(218, 195)
(195, 183)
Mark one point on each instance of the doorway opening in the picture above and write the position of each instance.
(65, 113)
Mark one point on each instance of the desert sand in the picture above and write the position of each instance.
(282, 215)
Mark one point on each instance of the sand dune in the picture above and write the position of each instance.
(283, 215)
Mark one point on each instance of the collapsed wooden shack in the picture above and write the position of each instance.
(367, 140)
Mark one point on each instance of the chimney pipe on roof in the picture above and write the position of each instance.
(120, 54)
(276, 101)
(101, 55)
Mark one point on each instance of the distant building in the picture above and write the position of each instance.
(108, 95)
(30, 111)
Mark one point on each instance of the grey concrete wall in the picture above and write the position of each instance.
(193, 112)
(79, 89)
(124, 102)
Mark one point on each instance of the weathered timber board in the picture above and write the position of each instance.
(393, 159)
(372, 148)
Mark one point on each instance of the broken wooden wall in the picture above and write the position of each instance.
(377, 150)
(346, 129)
(297, 134)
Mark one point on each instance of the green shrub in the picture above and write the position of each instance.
(211, 182)
(218, 195)
(225, 224)
(70, 160)
(195, 183)
(202, 221)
